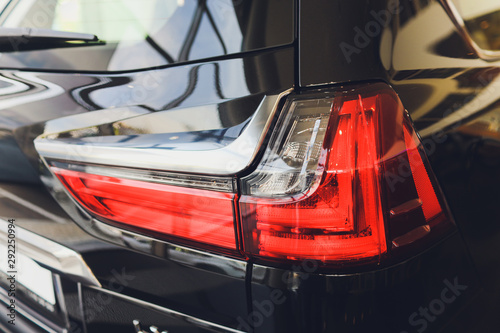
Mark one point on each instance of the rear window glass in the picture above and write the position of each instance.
(145, 33)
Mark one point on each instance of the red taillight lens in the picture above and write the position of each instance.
(349, 196)
(193, 214)
(343, 178)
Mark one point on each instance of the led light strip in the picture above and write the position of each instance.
(221, 184)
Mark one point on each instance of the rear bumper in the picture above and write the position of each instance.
(430, 293)
(25, 320)
(80, 304)
(425, 293)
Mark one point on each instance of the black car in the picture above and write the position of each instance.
(249, 166)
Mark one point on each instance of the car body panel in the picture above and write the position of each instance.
(445, 93)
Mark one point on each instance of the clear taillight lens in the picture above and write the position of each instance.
(343, 178)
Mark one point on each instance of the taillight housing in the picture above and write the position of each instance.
(200, 210)
(344, 178)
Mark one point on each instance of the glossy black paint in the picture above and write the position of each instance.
(212, 296)
(381, 300)
(22, 114)
(203, 287)
(183, 282)
(444, 89)
(118, 318)
(191, 30)
(324, 27)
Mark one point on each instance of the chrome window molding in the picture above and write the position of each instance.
(218, 161)
(51, 255)
(459, 23)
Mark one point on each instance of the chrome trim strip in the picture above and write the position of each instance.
(459, 23)
(51, 255)
(58, 289)
(187, 318)
(228, 160)
(221, 184)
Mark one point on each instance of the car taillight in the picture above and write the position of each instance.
(344, 178)
(194, 214)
